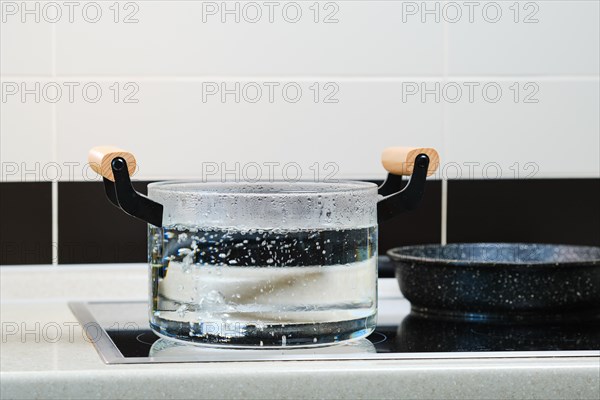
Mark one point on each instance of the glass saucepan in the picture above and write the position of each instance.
(271, 264)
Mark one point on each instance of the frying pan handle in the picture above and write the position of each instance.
(115, 165)
(399, 161)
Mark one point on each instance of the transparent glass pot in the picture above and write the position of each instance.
(274, 263)
(265, 263)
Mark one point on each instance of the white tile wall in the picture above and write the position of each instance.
(375, 52)
(173, 130)
(26, 139)
(557, 136)
(170, 38)
(550, 38)
(25, 48)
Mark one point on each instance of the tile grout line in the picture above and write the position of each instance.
(304, 78)
(444, 194)
(444, 237)
(54, 158)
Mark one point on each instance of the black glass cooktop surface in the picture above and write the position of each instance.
(121, 334)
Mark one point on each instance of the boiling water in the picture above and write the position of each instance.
(263, 287)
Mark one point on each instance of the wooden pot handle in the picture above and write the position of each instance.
(100, 158)
(400, 160)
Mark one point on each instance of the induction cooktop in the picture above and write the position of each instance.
(120, 333)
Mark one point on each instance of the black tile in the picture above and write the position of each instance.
(92, 230)
(25, 223)
(538, 210)
(419, 226)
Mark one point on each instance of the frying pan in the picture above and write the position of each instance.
(499, 280)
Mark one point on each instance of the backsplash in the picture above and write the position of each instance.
(507, 91)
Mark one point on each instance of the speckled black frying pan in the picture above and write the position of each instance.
(499, 279)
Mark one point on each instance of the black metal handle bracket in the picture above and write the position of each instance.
(123, 195)
(397, 199)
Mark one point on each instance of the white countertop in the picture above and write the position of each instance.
(36, 363)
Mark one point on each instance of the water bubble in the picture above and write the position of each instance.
(184, 251)
(182, 310)
(214, 296)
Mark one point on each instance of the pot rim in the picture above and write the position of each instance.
(261, 188)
